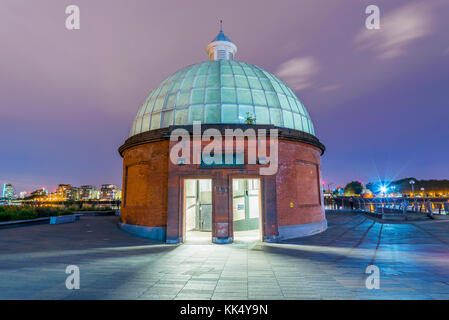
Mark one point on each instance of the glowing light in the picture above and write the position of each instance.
(383, 189)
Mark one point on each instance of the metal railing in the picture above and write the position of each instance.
(389, 205)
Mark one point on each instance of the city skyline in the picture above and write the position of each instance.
(10, 191)
(379, 103)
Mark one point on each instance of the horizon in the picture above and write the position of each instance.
(68, 99)
(98, 186)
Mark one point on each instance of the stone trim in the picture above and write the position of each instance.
(301, 230)
(164, 134)
(153, 233)
(222, 240)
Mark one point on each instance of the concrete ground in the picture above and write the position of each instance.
(200, 237)
(413, 259)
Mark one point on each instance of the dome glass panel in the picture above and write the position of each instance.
(220, 92)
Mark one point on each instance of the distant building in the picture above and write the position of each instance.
(23, 194)
(38, 195)
(39, 192)
(110, 192)
(8, 191)
(88, 193)
(72, 193)
(61, 192)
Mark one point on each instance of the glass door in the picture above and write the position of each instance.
(198, 209)
(246, 206)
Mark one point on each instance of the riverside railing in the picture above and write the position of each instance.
(389, 205)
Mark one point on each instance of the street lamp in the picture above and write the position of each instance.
(412, 183)
(383, 190)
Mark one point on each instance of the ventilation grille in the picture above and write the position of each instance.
(221, 54)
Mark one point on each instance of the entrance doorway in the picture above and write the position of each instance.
(198, 210)
(246, 208)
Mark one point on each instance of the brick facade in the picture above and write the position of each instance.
(153, 189)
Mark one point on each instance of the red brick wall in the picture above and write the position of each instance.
(298, 184)
(151, 187)
(145, 174)
(221, 194)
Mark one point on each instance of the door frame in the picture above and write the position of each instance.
(262, 211)
(182, 204)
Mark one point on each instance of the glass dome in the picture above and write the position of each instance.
(222, 92)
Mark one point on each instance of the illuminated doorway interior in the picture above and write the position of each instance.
(198, 210)
(246, 209)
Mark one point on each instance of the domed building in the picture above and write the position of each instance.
(222, 201)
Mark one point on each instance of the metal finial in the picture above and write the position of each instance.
(221, 25)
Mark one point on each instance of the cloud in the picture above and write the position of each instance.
(330, 87)
(398, 29)
(298, 72)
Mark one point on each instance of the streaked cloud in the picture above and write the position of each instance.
(299, 73)
(331, 87)
(399, 28)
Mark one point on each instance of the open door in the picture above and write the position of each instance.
(246, 209)
(198, 210)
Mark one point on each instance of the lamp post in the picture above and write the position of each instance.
(412, 183)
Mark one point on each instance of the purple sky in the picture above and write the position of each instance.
(379, 99)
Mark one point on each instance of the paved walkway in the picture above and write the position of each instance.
(413, 261)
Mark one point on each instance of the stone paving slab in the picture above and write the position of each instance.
(413, 259)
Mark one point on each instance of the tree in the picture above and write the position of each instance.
(371, 186)
(354, 187)
(250, 119)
